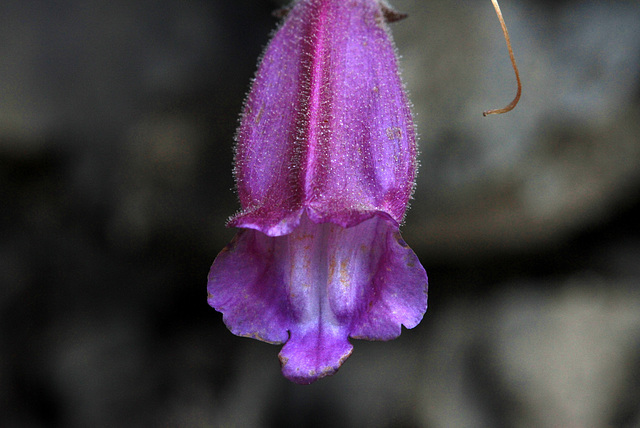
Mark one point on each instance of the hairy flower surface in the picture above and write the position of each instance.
(325, 167)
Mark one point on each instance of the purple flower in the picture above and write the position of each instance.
(325, 167)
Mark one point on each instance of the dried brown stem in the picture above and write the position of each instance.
(513, 103)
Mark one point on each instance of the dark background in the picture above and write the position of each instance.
(116, 133)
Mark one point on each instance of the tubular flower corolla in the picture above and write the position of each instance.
(325, 167)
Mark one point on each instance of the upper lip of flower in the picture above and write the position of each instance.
(327, 125)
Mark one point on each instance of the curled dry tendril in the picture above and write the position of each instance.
(513, 103)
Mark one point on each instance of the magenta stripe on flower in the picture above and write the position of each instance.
(325, 166)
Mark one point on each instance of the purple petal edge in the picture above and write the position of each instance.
(316, 287)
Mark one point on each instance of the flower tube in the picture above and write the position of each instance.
(325, 166)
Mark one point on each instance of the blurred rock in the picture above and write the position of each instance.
(116, 133)
(532, 358)
(563, 160)
(74, 65)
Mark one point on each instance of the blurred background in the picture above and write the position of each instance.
(116, 133)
